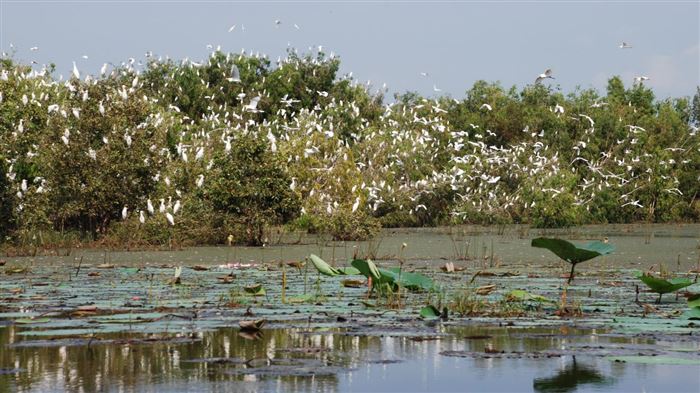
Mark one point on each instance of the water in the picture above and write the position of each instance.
(347, 363)
(168, 337)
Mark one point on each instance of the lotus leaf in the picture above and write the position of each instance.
(693, 313)
(323, 267)
(255, 290)
(521, 295)
(572, 253)
(429, 312)
(368, 269)
(661, 286)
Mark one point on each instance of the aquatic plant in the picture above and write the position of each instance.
(661, 286)
(572, 253)
(393, 276)
(323, 267)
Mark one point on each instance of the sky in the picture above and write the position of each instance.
(455, 42)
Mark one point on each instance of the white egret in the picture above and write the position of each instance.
(142, 219)
(76, 73)
(149, 206)
(625, 45)
(235, 74)
(253, 105)
(171, 219)
(546, 74)
(125, 213)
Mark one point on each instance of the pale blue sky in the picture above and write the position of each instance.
(455, 42)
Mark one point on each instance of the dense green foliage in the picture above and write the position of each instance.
(294, 142)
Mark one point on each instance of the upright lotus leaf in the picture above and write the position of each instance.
(572, 253)
(348, 271)
(661, 286)
(367, 268)
(323, 267)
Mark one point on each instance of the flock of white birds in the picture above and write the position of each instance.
(384, 163)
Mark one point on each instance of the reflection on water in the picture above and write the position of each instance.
(570, 377)
(325, 360)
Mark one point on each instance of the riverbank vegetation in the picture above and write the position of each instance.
(190, 153)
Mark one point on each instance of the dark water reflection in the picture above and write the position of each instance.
(323, 360)
(570, 377)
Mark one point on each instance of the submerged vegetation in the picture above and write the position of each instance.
(186, 153)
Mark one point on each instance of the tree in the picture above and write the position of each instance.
(251, 183)
(695, 108)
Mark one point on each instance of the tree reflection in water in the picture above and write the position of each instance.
(569, 378)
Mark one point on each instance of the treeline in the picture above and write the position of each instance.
(194, 152)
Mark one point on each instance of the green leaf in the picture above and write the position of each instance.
(26, 321)
(694, 300)
(521, 295)
(429, 312)
(661, 286)
(367, 268)
(693, 313)
(570, 252)
(348, 271)
(323, 267)
(409, 280)
(255, 290)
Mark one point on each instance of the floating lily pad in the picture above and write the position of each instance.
(521, 295)
(655, 360)
(255, 290)
(26, 321)
(693, 313)
(429, 312)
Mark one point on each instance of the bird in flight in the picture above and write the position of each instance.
(640, 79)
(625, 45)
(546, 74)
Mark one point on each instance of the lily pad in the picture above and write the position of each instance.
(693, 313)
(521, 295)
(429, 312)
(26, 321)
(255, 290)
(694, 300)
(655, 360)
